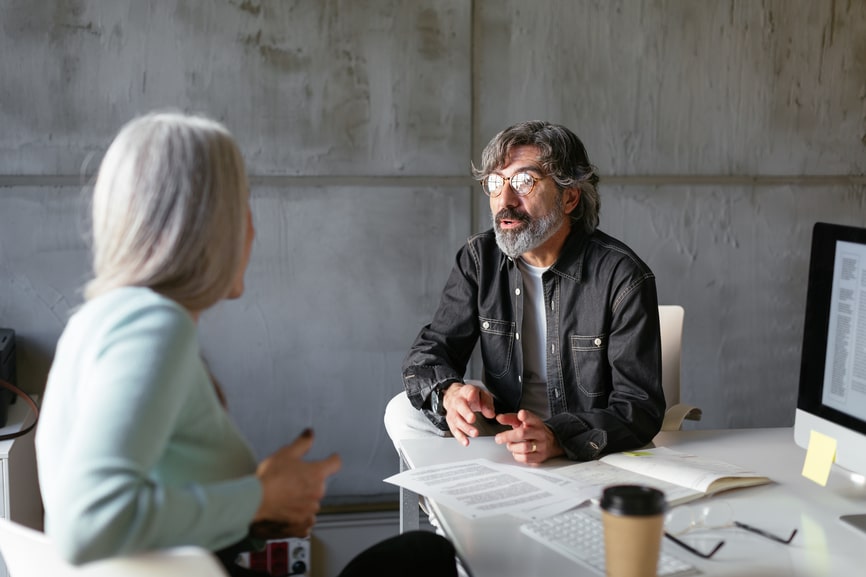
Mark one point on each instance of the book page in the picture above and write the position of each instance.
(597, 475)
(705, 475)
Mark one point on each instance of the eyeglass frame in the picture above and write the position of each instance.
(509, 180)
(721, 543)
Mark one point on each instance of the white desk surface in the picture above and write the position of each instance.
(824, 546)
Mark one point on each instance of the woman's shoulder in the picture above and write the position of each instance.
(128, 307)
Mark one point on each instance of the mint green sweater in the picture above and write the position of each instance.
(135, 451)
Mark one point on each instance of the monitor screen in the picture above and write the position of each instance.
(832, 394)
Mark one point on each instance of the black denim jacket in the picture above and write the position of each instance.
(603, 344)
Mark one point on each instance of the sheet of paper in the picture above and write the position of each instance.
(820, 456)
(481, 488)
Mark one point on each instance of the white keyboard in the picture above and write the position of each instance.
(579, 535)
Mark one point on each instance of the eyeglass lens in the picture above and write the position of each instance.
(521, 183)
(681, 519)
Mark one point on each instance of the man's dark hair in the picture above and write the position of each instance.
(562, 156)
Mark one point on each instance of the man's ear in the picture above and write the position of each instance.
(570, 199)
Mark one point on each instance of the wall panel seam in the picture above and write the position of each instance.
(25, 181)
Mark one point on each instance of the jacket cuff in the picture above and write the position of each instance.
(579, 442)
(419, 382)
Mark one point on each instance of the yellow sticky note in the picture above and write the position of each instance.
(637, 453)
(819, 457)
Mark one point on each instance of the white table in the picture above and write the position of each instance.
(824, 546)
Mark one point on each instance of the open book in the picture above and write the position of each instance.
(681, 476)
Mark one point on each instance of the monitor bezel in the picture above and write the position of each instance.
(817, 321)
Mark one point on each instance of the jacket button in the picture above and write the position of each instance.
(593, 446)
(597, 342)
(517, 336)
(517, 291)
(486, 325)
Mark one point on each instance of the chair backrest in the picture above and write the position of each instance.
(29, 553)
(671, 323)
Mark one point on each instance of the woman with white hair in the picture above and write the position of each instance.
(135, 449)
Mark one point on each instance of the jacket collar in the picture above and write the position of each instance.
(570, 261)
(569, 264)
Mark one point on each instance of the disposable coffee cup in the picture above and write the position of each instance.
(633, 519)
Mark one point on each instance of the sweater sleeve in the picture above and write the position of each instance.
(114, 499)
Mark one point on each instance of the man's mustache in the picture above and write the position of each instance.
(511, 214)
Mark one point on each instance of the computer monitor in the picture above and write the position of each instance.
(832, 395)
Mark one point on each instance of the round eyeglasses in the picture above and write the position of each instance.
(521, 183)
(716, 515)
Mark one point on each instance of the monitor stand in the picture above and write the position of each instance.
(856, 521)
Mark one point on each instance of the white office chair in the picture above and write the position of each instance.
(671, 322)
(29, 553)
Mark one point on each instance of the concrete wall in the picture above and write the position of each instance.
(722, 130)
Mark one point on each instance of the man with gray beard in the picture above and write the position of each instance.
(567, 318)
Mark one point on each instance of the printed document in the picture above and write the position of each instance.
(481, 488)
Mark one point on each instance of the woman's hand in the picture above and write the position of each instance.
(292, 490)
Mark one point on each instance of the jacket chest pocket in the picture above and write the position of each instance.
(589, 355)
(497, 345)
